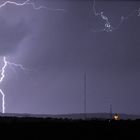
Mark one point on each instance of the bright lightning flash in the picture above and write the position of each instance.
(1, 79)
(107, 26)
(6, 63)
(28, 2)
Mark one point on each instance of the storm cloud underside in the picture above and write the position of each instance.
(60, 47)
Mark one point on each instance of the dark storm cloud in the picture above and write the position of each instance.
(11, 35)
(70, 43)
(62, 46)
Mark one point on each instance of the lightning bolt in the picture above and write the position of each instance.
(1, 79)
(6, 63)
(28, 2)
(108, 26)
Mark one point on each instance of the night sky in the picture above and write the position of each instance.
(58, 47)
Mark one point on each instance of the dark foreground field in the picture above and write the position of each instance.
(67, 128)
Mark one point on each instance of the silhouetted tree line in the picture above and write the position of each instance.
(89, 127)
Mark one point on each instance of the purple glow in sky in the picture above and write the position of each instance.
(61, 42)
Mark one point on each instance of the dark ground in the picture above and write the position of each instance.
(46, 128)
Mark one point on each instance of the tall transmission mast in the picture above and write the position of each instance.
(85, 94)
